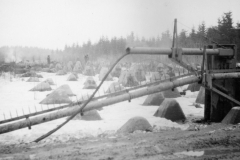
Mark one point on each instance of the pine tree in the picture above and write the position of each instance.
(225, 28)
(182, 39)
(201, 34)
(193, 35)
(166, 40)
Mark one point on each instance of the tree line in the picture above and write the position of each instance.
(223, 33)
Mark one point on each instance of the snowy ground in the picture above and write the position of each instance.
(17, 99)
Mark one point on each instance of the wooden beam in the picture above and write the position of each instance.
(226, 96)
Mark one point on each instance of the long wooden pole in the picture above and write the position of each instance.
(185, 51)
(225, 75)
(96, 104)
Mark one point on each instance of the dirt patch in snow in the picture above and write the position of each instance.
(168, 144)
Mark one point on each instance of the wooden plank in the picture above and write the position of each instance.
(226, 96)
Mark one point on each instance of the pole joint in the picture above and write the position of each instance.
(28, 122)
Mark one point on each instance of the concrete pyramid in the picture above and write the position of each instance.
(122, 76)
(103, 72)
(56, 97)
(59, 96)
(88, 71)
(201, 96)
(70, 66)
(75, 74)
(134, 124)
(154, 99)
(170, 109)
(90, 83)
(51, 66)
(157, 76)
(30, 74)
(61, 72)
(33, 79)
(92, 115)
(39, 76)
(116, 71)
(72, 77)
(47, 70)
(58, 66)
(77, 67)
(65, 68)
(49, 81)
(137, 70)
(43, 86)
(128, 79)
(140, 75)
(114, 87)
(233, 116)
(66, 89)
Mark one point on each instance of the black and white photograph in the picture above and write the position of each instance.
(119, 79)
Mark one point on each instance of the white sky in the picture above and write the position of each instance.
(54, 23)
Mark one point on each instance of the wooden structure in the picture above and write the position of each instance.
(221, 91)
(218, 74)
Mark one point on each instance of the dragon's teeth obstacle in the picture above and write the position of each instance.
(233, 116)
(170, 109)
(43, 86)
(201, 96)
(134, 124)
(154, 99)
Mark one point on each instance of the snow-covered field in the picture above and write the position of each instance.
(17, 99)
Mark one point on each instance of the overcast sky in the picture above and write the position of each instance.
(54, 23)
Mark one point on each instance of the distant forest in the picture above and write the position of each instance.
(110, 49)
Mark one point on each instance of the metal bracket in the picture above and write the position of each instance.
(28, 122)
(203, 66)
(209, 80)
(130, 98)
(81, 113)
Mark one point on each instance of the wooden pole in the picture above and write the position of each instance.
(225, 75)
(96, 104)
